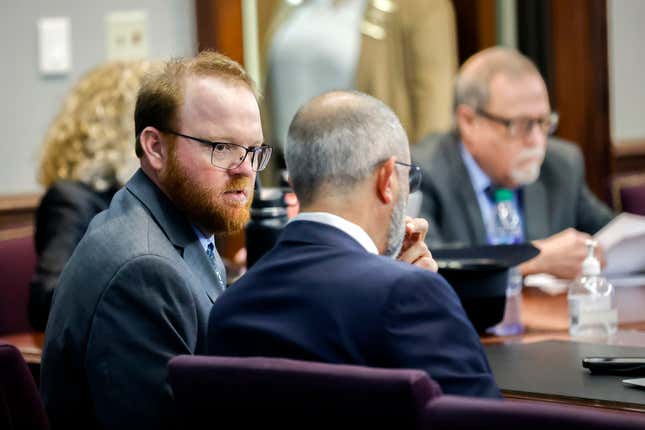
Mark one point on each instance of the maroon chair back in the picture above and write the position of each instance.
(461, 413)
(633, 199)
(281, 393)
(628, 193)
(17, 263)
(20, 404)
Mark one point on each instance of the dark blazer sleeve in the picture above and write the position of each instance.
(61, 221)
(146, 316)
(426, 328)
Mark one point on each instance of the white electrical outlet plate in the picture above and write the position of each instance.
(54, 45)
(127, 35)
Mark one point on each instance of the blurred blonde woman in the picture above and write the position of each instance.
(87, 156)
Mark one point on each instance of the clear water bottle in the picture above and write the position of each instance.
(592, 302)
(508, 230)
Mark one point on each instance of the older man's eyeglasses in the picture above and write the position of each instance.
(414, 177)
(231, 155)
(522, 126)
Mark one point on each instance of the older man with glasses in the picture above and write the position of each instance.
(139, 287)
(350, 279)
(503, 120)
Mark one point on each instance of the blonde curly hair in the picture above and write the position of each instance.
(91, 140)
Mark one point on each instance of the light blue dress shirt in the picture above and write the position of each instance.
(205, 241)
(481, 182)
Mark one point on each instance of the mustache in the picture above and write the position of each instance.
(238, 184)
(530, 154)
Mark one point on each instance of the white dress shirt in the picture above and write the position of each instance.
(353, 230)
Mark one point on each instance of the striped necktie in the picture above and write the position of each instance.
(210, 252)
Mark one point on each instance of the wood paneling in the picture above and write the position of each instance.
(534, 36)
(475, 26)
(219, 27)
(581, 82)
(628, 156)
(18, 209)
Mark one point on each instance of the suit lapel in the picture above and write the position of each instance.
(179, 232)
(213, 279)
(536, 209)
(463, 188)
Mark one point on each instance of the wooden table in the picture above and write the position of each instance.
(546, 318)
(29, 344)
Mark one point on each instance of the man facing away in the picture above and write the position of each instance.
(138, 288)
(324, 293)
(503, 118)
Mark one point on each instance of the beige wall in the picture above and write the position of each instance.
(29, 100)
(626, 45)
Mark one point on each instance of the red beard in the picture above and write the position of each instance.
(203, 205)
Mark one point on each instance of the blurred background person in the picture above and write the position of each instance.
(502, 140)
(403, 52)
(87, 156)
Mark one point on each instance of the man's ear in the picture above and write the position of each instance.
(466, 121)
(384, 181)
(154, 151)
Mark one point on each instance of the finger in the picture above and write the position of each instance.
(411, 235)
(427, 263)
(414, 252)
(421, 226)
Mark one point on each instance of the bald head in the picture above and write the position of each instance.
(472, 86)
(337, 139)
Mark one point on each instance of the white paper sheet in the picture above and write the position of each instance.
(547, 283)
(623, 241)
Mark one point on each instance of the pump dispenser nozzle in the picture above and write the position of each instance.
(591, 265)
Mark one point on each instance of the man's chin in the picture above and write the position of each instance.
(524, 177)
(235, 222)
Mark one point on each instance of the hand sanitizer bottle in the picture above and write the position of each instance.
(592, 302)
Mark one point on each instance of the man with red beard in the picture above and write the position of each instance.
(138, 288)
(503, 119)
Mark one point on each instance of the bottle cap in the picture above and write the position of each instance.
(503, 195)
(591, 265)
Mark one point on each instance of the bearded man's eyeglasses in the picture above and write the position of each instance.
(231, 155)
(415, 175)
(522, 126)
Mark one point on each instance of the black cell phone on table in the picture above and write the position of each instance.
(615, 365)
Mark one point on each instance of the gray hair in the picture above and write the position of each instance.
(337, 139)
(473, 80)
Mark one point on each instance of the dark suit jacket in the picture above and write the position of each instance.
(135, 293)
(557, 200)
(61, 220)
(320, 296)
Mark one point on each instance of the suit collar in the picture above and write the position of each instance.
(180, 233)
(172, 222)
(463, 189)
(478, 177)
(534, 206)
(316, 233)
(356, 232)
